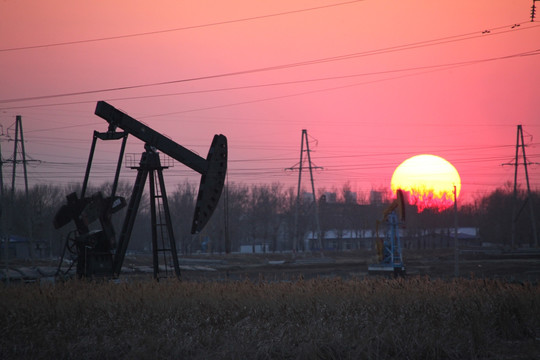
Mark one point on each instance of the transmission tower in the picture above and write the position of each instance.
(528, 199)
(19, 139)
(316, 212)
(18, 148)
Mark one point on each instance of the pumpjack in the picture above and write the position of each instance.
(96, 251)
(389, 250)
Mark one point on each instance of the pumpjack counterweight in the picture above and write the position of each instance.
(97, 252)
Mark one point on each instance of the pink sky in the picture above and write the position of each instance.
(373, 111)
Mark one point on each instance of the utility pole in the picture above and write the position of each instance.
(226, 217)
(533, 10)
(515, 212)
(456, 244)
(316, 212)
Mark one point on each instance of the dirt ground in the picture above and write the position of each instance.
(511, 266)
(521, 266)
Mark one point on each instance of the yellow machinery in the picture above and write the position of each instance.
(389, 254)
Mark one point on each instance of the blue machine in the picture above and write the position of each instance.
(389, 252)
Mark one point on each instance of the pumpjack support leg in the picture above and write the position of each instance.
(150, 167)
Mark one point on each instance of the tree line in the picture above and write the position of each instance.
(269, 215)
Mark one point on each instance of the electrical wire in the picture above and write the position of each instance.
(292, 82)
(179, 28)
(529, 53)
(415, 45)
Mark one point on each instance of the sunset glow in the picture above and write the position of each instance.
(372, 82)
(428, 180)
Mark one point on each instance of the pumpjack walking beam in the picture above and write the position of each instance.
(212, 169)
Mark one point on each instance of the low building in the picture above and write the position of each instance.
(19, 247)
(341, 240)
(255, 249)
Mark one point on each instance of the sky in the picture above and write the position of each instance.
(373, 82)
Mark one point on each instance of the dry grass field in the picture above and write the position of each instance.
(325, 318)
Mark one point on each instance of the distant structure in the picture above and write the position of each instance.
(533, 10)
(316, 207)
(375, 197)
(18, 148)
(19, 156)
(330, 197)
(515, 212)
(350, 197)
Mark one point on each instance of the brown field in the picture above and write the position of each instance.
(319, 309)
(436, 264)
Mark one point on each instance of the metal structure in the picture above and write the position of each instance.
(19, 139)
(389, 251)
(97, 253)
(520, 144)
(18, 150)
(316, 207)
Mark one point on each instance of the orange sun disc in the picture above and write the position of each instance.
(428, 180)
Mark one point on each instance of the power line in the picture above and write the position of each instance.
(531, 53)
(428, 68)
(340, 167)
(415, 45)
(179, 29)
(292, 82)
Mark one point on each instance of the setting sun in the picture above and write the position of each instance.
(428, 180)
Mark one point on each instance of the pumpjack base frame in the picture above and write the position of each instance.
(386, 270)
